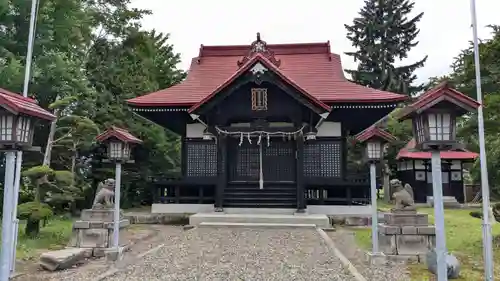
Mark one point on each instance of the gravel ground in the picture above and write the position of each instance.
(94, 268)
(345, 242)
(228, 254)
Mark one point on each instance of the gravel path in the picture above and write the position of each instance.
(346, 243)
(94, 268)
(228, 254)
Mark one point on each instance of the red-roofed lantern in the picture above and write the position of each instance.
(119, 145)
(434, 128)
(434, 117)
(18, 116)
(375, 140)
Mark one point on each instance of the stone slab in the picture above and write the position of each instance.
(318, 220)
(110, 225)
(256, 225)
(62, 259)
(403, 218)
(100, 215)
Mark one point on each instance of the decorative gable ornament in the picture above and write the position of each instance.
(258, 69)
(260, 47)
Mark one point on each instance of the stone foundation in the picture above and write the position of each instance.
(95, 231)
(407, 235)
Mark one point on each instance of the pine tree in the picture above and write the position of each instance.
(384, 34)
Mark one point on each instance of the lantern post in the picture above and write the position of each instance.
(374, 140)
(119, 144)
(18, 116)
(433, 118)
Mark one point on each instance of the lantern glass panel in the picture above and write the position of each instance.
(23, 129)
(419, 129)
(126, 151)
(115, 150)
(439, 126)
(6, 127)
(374, 150)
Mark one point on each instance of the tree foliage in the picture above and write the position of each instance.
(89, 57)
(383, 34)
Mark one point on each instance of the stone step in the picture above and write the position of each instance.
(318, 220)
(257, 225)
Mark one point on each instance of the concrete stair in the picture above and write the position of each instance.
(449, 202)
(259, 220)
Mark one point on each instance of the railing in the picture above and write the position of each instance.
(172, 189)
(352, 190)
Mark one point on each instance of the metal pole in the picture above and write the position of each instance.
(485, 189)
(373, 185)
(437, 194)
(116, 225)
(15, 200)
(8, 189)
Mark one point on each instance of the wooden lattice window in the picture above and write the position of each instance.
(323, 159)
(201, 158)
(259, 99)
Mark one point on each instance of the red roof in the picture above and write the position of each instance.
(374, 132)
(267, 63)
(311, 67)
(409, 152)
(435, 95)
(18, 104)
(118, 133)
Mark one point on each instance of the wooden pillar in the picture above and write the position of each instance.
(221, 172)
(301, 202)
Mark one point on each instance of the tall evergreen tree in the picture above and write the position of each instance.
(384, 34)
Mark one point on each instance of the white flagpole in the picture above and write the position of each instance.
(487, 238)
(19, 156)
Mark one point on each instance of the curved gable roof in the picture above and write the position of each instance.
(310, 65)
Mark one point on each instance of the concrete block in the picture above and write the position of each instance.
(99, 252)
(376, 258)
(123, 223)
(426, 230)
(409, 229)
(403, 258)
(389, 229)
(104, 215)
(93, 238)
(412, 244)
(413, 219)
(357, 221)
(96, 224)
(81, 224)
(387, 244)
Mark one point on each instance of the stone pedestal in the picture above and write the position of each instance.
(407, 235)
(94, 231)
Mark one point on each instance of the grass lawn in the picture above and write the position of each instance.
(463, 238)
(55, 235)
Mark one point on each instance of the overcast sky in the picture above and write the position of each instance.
(445, 27)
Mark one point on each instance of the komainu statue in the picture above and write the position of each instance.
(403, 196)
(104, 198)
